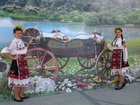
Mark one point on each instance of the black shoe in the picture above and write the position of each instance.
(18, 100)
(24, 97)
(118, 88)
(123, 84)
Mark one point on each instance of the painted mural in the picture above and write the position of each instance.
(68, 56)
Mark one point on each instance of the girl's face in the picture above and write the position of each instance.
(118, 33)
(18, 34)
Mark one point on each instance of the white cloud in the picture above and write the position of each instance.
(6, 22)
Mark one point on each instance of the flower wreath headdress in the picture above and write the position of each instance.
(18, 27)
(118, 28)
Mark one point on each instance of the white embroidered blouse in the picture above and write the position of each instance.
(15, 47)
(117, 44)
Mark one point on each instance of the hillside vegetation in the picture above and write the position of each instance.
(91, 12)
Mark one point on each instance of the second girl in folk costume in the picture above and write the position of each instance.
(18, 75)
(119, 61)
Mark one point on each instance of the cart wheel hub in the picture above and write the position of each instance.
(108, 64)
(39, 67)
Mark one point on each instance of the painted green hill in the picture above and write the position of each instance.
(90, 12)
(133, 46)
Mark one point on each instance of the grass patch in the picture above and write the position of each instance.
(133, 46)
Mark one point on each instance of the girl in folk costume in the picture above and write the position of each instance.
(18, 75)
(119, 61)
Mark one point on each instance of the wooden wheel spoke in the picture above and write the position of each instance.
(82, 59)
(41, 62)
(87, 62)
(49, 62)
(102, 66)
(109, 60)
(33, 58)
(90, 63)
(101, 61)
(84, 62)
(33, 72)
(38, 55)
(62, 62)
(32, 68)
(107, 74)
(31, 63)
(59, 62)
(63, 59)
(105, 57)
(50, 67)
(50, 73)
(109, 56)
(103, 73)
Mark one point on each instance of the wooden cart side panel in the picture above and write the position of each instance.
(73, 48)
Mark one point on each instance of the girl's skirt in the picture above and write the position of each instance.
(117, 63)
(18, 75)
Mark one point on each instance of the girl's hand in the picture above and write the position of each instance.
(105, 43)
(125, 62)
(15, 57)
(31, 40)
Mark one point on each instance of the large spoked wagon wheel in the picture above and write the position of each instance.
(103, 64)
(62, 61)
(42, 62)
(86, 63)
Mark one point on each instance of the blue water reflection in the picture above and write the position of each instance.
(70, 29)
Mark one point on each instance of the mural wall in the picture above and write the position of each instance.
(68, 55)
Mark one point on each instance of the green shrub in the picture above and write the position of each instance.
(91, 20)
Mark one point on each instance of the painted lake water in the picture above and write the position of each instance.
(71, 29)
